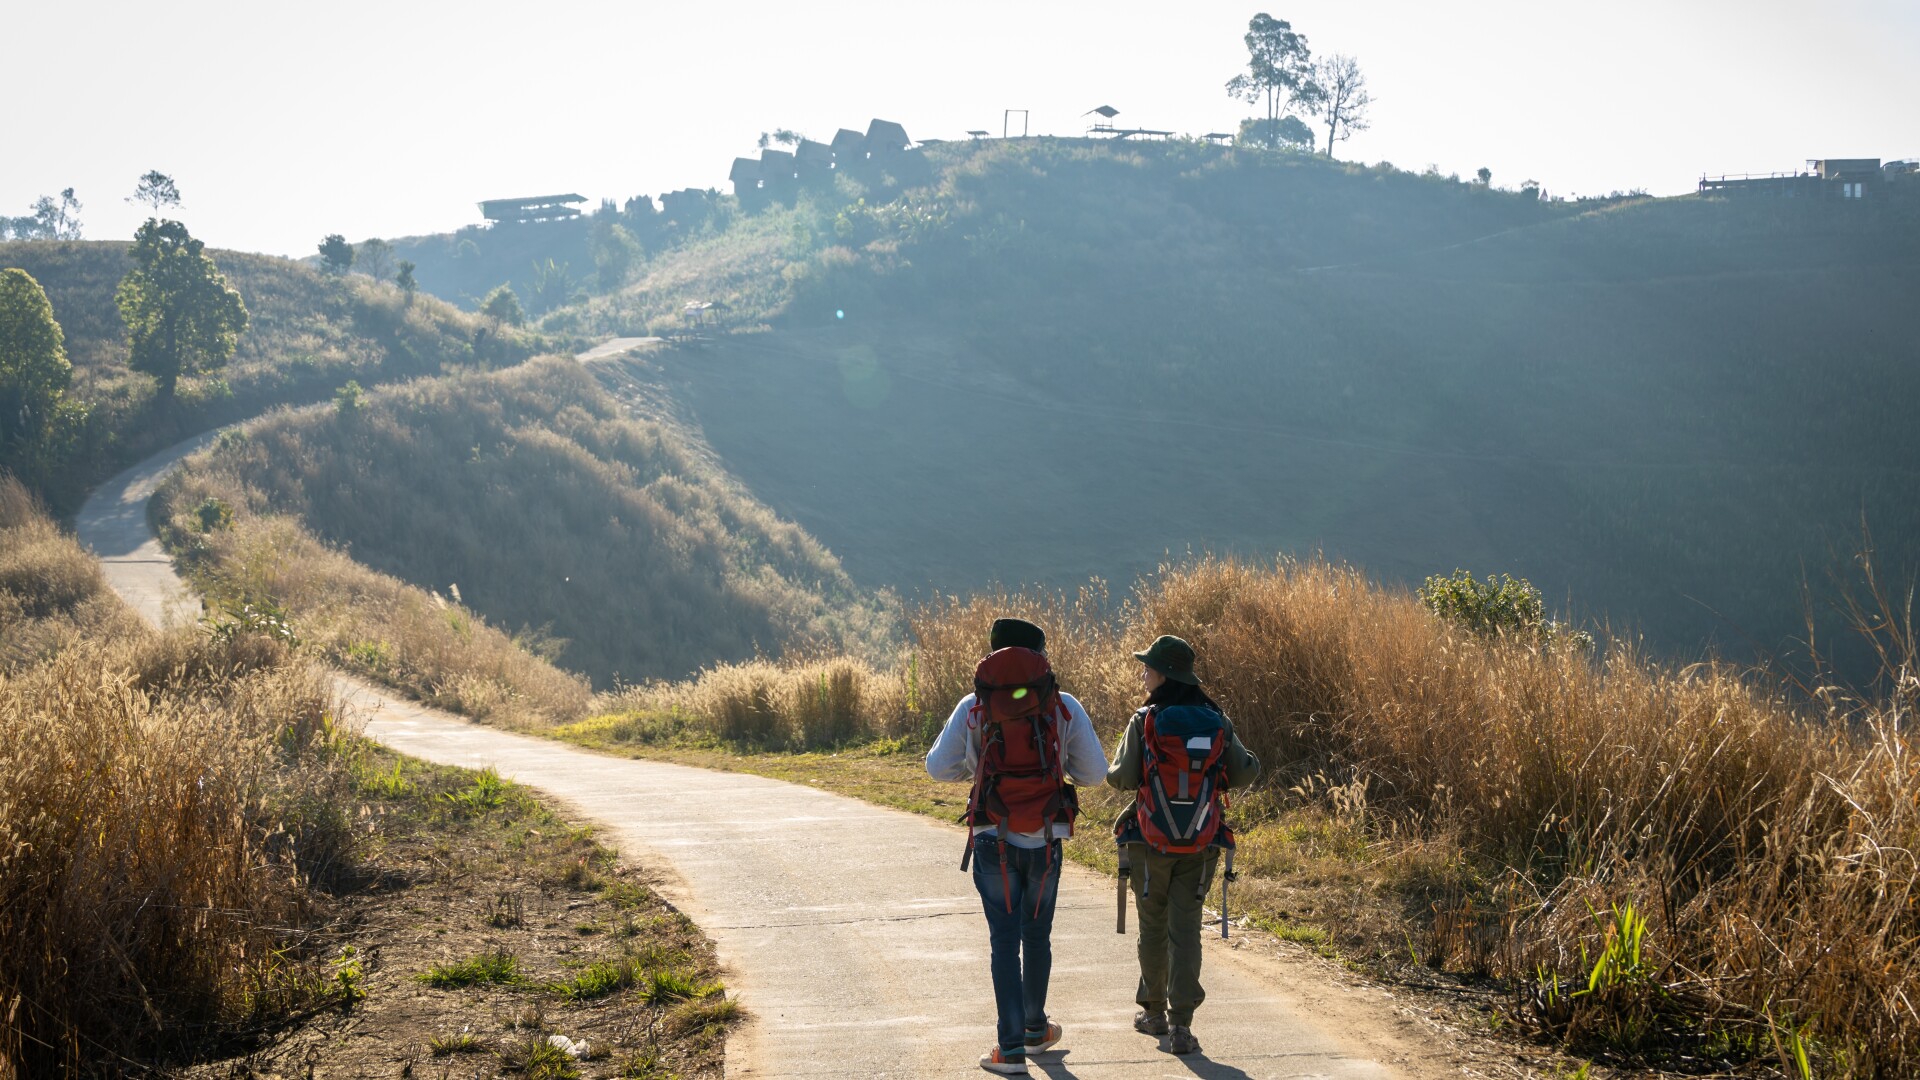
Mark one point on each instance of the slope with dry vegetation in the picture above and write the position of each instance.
(527, 496)
(307, 335)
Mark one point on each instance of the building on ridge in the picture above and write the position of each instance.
(531, 209)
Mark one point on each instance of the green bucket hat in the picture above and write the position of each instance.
(1172, 657)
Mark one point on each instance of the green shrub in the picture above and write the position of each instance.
(1499, 605)
(213, 513)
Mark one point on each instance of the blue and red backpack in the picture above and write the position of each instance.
(1181, 805)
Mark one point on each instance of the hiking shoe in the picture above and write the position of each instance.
(1181, 1041)
(999, 1061)
(1040, 1044)
(1150, 1022)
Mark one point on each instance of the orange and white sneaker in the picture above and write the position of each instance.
(1004, 1063)
(1040, 1043)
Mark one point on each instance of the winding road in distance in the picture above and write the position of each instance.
(847, 930)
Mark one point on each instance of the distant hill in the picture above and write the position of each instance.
(1064, 359)
(308, 334)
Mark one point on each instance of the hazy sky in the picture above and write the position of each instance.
(283, 122)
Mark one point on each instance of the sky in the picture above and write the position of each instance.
(288, 121)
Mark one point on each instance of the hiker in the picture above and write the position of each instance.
(1024, 744)
(1179, 756)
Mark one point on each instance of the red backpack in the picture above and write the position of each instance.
(1181, 805)
(1020, 784)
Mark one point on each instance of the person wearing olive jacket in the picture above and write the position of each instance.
(1167, 889)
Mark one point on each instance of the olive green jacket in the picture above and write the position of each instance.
(1124, 773)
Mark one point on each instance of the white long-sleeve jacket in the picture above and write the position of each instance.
(956, 755)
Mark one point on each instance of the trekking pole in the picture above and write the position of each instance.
(1225, 877)
(1120, 896)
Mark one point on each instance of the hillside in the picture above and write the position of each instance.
(529, 497)
(1671, 414)
(308, 334)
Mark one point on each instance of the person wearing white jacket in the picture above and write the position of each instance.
(1019, 890)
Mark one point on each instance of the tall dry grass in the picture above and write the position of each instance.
(164, 801)
(51, 592)
(1662, 863)
(435, 649)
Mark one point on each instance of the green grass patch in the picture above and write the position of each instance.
(496, 968)
(465, 1042)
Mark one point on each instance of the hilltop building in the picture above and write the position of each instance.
(534, 208)
(886, 137)
(1824, 178)
(812, 159)
(848, 145)
(745, 176)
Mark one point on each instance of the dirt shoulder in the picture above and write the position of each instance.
(484, 935)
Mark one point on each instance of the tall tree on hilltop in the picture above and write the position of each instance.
(1279, 69)
(57, 220)
(1344, 100)
(181, 316)
(157, 191)
(34, 373)
(1290, 133)
(403, 277)
(374, 256)
(336, 255)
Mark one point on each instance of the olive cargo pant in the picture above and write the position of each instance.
(1167, 890)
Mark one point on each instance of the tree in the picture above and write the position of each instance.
(34, 373)
(57, 220)
(181, 316)
(336, 255)
(404, 278)
(1279, 69)
(19, 228)
(1484, 176)
(157, 191)
(1290, 133)
(503, 307)
(614, 253)
(552, 286)
(374, 256)
(1343, 101)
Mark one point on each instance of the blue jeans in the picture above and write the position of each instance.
(1029, 886)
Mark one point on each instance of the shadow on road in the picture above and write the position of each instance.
(1202, 1066)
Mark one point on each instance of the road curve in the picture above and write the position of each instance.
(848, 930)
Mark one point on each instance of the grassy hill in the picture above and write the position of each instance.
(527, 496)
(1062, 359)
(308, 334)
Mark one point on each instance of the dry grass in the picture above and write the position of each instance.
(436, 650)
(51, 593)
(164, 800)
(595, 533)
(1683, 866)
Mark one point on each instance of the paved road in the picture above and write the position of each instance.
(847, 929)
